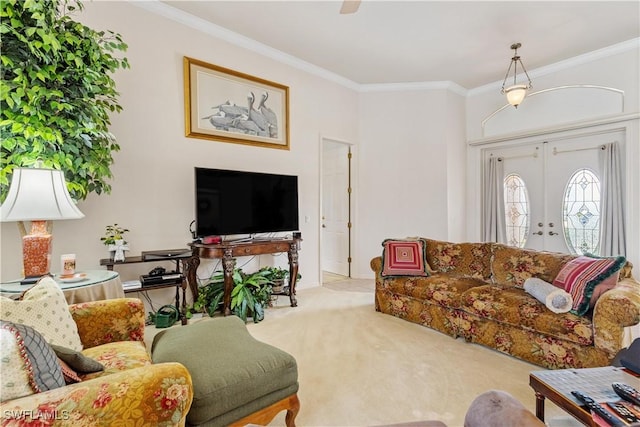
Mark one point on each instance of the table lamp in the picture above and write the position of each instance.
(37, 195)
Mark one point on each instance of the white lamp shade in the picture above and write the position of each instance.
(38, 194)
(515, 94)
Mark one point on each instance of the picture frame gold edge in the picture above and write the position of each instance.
(187, 61)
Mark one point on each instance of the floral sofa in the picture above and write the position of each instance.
(129, 390)
(475, 291)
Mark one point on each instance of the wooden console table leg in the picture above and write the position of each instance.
(190, 268)
(293, 273)
(229, 264)
(540, 406)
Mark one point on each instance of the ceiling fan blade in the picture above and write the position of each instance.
(349, 6)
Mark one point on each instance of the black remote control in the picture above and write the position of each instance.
(627, 392)
(611, 419)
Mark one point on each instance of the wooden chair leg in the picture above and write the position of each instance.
(292, 412)
(264, 416)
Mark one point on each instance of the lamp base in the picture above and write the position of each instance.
(36, 251)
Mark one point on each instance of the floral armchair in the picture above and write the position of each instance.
(129, 391)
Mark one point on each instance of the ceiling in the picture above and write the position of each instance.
(465, 42)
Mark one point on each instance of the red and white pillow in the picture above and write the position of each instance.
(588, 277)
(405, 257)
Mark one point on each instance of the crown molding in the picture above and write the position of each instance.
(169, 12)
(162, 9)
(399, 87)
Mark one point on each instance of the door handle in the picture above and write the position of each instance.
(324, 226)
(539, 233)
(552, 233)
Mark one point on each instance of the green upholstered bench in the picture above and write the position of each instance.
(237, 380)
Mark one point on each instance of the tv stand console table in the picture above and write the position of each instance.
(229, 251)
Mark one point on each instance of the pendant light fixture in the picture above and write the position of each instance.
(516, 92)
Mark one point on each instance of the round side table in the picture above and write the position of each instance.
(96, 285)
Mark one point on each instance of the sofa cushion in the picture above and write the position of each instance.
(513, 306)
(582, 275)
(116, 357)
(512, 266)
(44, 308)
(442, 289)
(27, 362)
(403, 258)
(463, 259)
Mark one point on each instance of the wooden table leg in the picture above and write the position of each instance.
(293, 273)
(229, 264)
(540, 406)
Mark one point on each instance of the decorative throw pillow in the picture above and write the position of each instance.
(44, 308)
(27, 362)
(77, 361)
(70, 376)
(404, 258)
(582, 275)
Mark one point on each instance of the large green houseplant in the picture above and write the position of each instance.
(250, 294)
(57, 93)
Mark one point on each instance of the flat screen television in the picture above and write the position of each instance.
(230, 202)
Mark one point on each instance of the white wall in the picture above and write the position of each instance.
(411, 180)
(152, 189)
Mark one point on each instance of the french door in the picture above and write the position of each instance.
(558, 186)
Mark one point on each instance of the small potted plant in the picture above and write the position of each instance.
(114, 240)
(277, 276)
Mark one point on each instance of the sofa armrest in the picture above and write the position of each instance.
(158, 395)
(106, 321)
(376, 265)
(616, 309)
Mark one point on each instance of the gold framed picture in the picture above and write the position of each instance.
(225, 105)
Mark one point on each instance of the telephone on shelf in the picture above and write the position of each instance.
(158, 271)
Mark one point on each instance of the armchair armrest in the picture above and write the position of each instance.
(106, 321)
(153, 395)
(616, 309)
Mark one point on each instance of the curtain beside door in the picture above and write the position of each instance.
(612, 230)
(494, 226)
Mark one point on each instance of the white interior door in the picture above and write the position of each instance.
(335, 208)
(546, 169)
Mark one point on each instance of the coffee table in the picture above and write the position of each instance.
(556, 385)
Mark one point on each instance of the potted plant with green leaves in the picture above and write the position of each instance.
(279, 277)
(250, 295)
(114, 240)
(210, 295)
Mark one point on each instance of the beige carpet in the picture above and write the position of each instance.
(358, 367)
